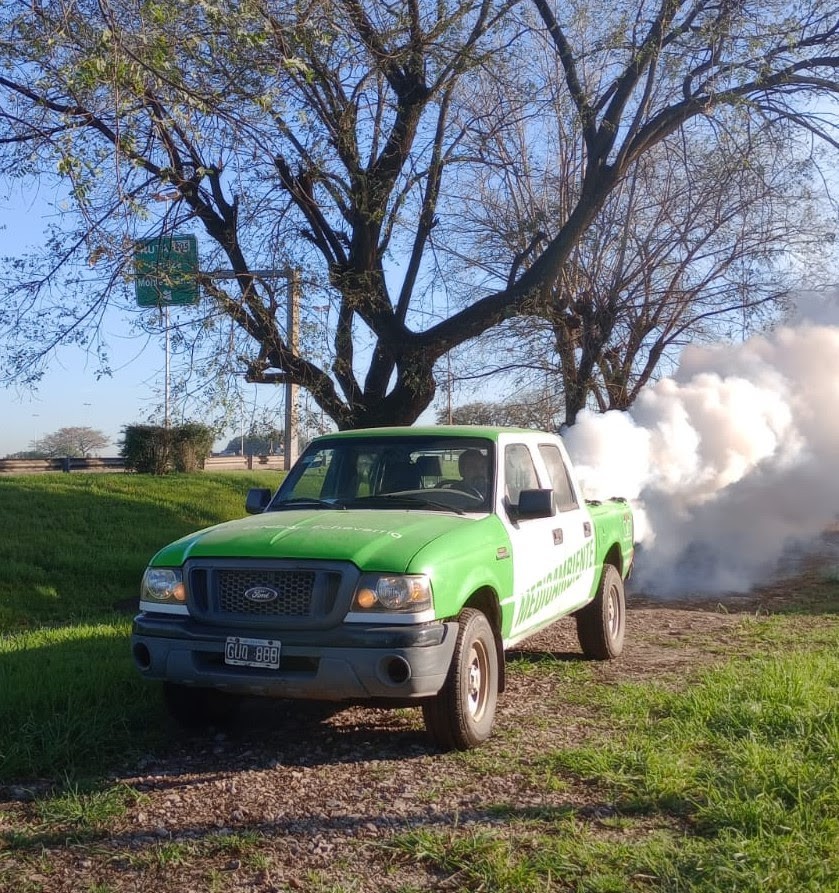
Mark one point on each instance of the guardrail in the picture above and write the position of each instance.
(243, 463)
(97, 464)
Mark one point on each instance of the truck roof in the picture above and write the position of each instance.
(490, 432)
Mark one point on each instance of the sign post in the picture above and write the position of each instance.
(166, 271)
(166, 275)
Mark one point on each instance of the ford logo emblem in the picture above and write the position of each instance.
(261, 594)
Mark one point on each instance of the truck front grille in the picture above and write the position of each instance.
(267, 593)
(294, 592)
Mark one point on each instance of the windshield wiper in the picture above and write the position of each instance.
(410, 499)
(297, 502)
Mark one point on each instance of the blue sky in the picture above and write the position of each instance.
(69, 393)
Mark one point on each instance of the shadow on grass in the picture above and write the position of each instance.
(543, 658)
(197, 833)
(71, 703)
(72, 706)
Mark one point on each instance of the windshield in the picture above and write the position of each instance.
(430, 472)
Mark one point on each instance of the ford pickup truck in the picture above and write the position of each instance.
(392, 566)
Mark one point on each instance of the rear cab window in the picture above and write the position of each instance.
(560, 479)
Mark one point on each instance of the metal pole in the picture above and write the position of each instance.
(290, 447)
(449, 389)
(166, 373)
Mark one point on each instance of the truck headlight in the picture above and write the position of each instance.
(163, 585)
(408, 593)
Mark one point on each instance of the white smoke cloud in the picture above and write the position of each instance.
(731, 461)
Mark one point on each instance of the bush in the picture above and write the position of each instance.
(153, 449)
(191, 444)
(145, 449)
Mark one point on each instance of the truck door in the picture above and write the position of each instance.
(553, 558)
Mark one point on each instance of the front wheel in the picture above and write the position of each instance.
(601, 624)
(462, 714)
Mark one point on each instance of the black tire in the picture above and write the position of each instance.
(198, 708)
(601, 625)
(462, 714)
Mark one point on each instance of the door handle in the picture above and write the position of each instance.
(586, 528)
(557, 532)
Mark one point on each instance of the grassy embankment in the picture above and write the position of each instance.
(72, 551)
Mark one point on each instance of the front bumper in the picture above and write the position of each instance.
(348, 662)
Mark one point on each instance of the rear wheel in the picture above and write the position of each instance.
(462, 714)
(196, 708)
(602, 623)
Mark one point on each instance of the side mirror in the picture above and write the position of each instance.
(257, 500)
(535, 504)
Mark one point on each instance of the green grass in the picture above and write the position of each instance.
(75, 545)
(171, 854)
(71, 702)
(77, 813)
(729, 785)
(86, 809)
(72, 551)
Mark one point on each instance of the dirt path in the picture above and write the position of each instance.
(302, 799)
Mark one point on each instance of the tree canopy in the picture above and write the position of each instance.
(339, 137)
(695, 244)
(76, 441)
(528, 410)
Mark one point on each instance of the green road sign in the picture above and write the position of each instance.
(166, 271)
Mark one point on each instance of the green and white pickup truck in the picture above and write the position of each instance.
(393, 565)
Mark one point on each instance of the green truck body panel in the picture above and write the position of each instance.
(334, 526)
(469, 563)
(614, 533)
(380, 541)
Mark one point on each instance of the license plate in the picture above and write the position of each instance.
(263, 653)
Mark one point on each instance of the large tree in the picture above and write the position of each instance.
(76, 441)
(696, 243)
(331, 136)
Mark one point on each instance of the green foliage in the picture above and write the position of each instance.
(145, 449)
(191, 444)
(86, 809)
(154, 449)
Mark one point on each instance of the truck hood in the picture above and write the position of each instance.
(381, 540)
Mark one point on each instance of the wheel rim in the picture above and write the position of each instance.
(477, 680)
(614, 618)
